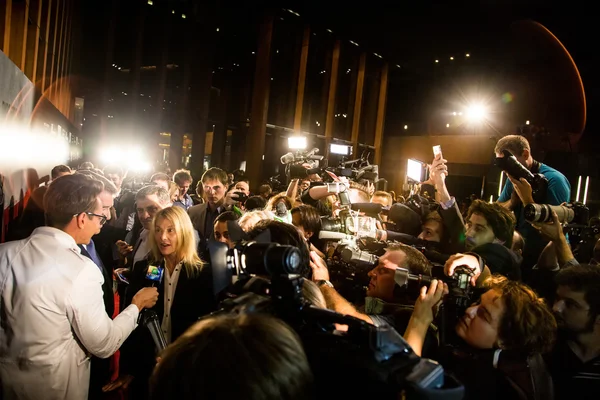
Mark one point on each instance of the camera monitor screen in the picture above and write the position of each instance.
(415, 171)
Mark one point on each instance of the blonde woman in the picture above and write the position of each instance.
(185, 293)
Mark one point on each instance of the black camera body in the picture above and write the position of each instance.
(240, 197)
(378, 355)
(460, 297)
(510, 165)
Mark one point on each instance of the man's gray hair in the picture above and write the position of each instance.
(161, 193)
(109, 186)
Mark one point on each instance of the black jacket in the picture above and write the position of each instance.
(193, 299)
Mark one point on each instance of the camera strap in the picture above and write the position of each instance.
(535, 167)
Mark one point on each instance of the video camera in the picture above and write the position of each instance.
(295, 162)
(509, 164)
(378, 356)
(360, 171)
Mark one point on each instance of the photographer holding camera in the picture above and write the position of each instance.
(502, 338)
(487, 231)
(517, 193)
(386, 303)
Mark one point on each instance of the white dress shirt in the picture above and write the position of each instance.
(170, 286)
(53, 318)
(143, 249)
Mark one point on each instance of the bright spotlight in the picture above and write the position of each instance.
(341, 149)
(112, 156)
(476, 113)
(297, 142)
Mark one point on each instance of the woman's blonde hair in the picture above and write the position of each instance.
(313, 294)
(173, 191)
(275, 199)
(186, 240)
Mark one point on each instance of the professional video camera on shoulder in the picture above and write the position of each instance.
(379, 355)
(297, 160)
(509, 164)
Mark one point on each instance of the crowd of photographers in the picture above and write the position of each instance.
(262, 296)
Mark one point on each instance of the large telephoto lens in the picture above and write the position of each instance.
(543, 213)
(269, 259)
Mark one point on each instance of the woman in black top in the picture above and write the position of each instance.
(185, 294)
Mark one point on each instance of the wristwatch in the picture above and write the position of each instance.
(322, 282)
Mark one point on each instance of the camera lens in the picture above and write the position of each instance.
(331, 224)
(282, 260)
(537, 213)
(543, 213)
(269, 259)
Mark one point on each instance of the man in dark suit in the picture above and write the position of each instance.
(214, 182)
(102, 251)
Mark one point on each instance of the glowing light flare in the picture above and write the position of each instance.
(297, 142)
(19, 146)
(112, 155)
(507, 98)
(477, 113)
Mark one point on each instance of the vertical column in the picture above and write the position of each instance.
(53, 54)
(46, 46)
(360, 82)
(301, 79)
(56, 78)
(137, 67)
(24, 43)
(108, 69)
(36, 46)
(381, 108)
(330, 120)
(7, 20)
(220, 132)
(260, 104)
(61, 75)
(176, 144)
(17, 25)
(202, 54)
(162, 79)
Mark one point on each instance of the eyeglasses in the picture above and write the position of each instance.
(102, 217)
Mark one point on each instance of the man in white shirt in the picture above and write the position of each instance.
(52, 312)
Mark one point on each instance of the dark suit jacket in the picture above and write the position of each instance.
(193, 299)
(197, 214)
(104, 242)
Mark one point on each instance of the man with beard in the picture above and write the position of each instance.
(575, 361)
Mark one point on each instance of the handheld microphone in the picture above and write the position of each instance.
(150, 321)
(155, 274)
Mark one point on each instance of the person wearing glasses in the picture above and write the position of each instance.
(53, 317)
